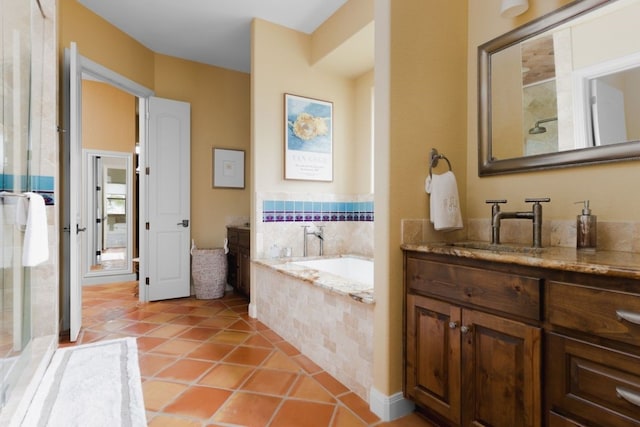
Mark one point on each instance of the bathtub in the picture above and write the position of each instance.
(358, 270)
(324, 307)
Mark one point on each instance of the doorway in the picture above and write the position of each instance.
(109, 212)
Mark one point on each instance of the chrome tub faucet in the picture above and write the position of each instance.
(310, 230)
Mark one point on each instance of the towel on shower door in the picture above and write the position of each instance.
(31, 217)
(444, 202)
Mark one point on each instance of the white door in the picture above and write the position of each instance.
(72, 152)
(609, 124)
(168, 210)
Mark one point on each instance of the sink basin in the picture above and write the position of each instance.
(486, 246)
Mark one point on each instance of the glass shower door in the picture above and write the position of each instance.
(15, 298)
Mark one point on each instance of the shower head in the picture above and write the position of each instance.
(537, 129)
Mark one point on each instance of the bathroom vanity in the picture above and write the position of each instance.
(522, 339)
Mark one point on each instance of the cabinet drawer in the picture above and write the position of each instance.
(505, 292)
(605, 313)
(587, 382)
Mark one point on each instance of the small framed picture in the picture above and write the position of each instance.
(308, 138)
(228, 168)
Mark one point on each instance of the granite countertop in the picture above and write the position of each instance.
(606, 263)
(331, 282)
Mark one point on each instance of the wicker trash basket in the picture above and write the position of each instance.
(209, 272)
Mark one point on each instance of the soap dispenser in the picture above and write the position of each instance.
(586, 228)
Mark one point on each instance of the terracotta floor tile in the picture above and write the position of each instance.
(307, 364)
(188, 320)
(268, 381)
(172, 421)
(281, 361)
(257, 340)
(334, 386)
(217, 322)
(162, 317)
(247, 409)
(345, 418)
(287, 348)
(301, 413)
(139, 328)
(211, 351)
(359, 406)
(271, 336)
(228, 313)
(411, 420)
(199, 402)
(227, 370)
(227, 376)
(240, 325)
(199, 334)
(176, 347)
(150, 364)
(307, 388)
(253, 356)
(149, 343)
(185, 370)
(158, 393)
(168, 331)
(231, 337)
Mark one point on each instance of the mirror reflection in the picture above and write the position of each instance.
(562, 85)
(108, 202)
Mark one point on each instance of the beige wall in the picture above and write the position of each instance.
(281, 64)
(108, 118)
(219, 101)
(605, 185)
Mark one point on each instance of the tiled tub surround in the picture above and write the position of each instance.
(612, 236)
(347, 222)
(322, 316)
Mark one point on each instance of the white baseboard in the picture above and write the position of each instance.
(108, 278)
(253, 311)
(389, 408)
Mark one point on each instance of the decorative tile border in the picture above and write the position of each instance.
(299, 211)
(43, 185)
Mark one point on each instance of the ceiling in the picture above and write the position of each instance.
(214, 32)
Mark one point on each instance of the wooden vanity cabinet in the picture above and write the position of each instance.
(593, 353)
(239, 259)
(472, 349)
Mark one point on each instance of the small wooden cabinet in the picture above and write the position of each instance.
(464, 364)
(239, 259)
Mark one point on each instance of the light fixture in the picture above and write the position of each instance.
(513, 8)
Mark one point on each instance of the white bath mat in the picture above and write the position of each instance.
(90, 385)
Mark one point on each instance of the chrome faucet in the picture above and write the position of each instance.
(316, 231)
(535, 215)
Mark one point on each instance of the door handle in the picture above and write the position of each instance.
(78, 229)
(184, 223)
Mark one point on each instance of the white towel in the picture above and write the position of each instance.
(31, 214)
(444, 201)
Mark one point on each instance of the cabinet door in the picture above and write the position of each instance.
(432, 372)
(244, 273)
(501, 372)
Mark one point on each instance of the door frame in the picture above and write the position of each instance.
(89, 68)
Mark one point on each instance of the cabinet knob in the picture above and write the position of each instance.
(465, 329)
(453, 325)
(629, 316)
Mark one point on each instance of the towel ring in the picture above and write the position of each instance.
(435, 156)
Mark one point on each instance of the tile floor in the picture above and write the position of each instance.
(207, 363)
